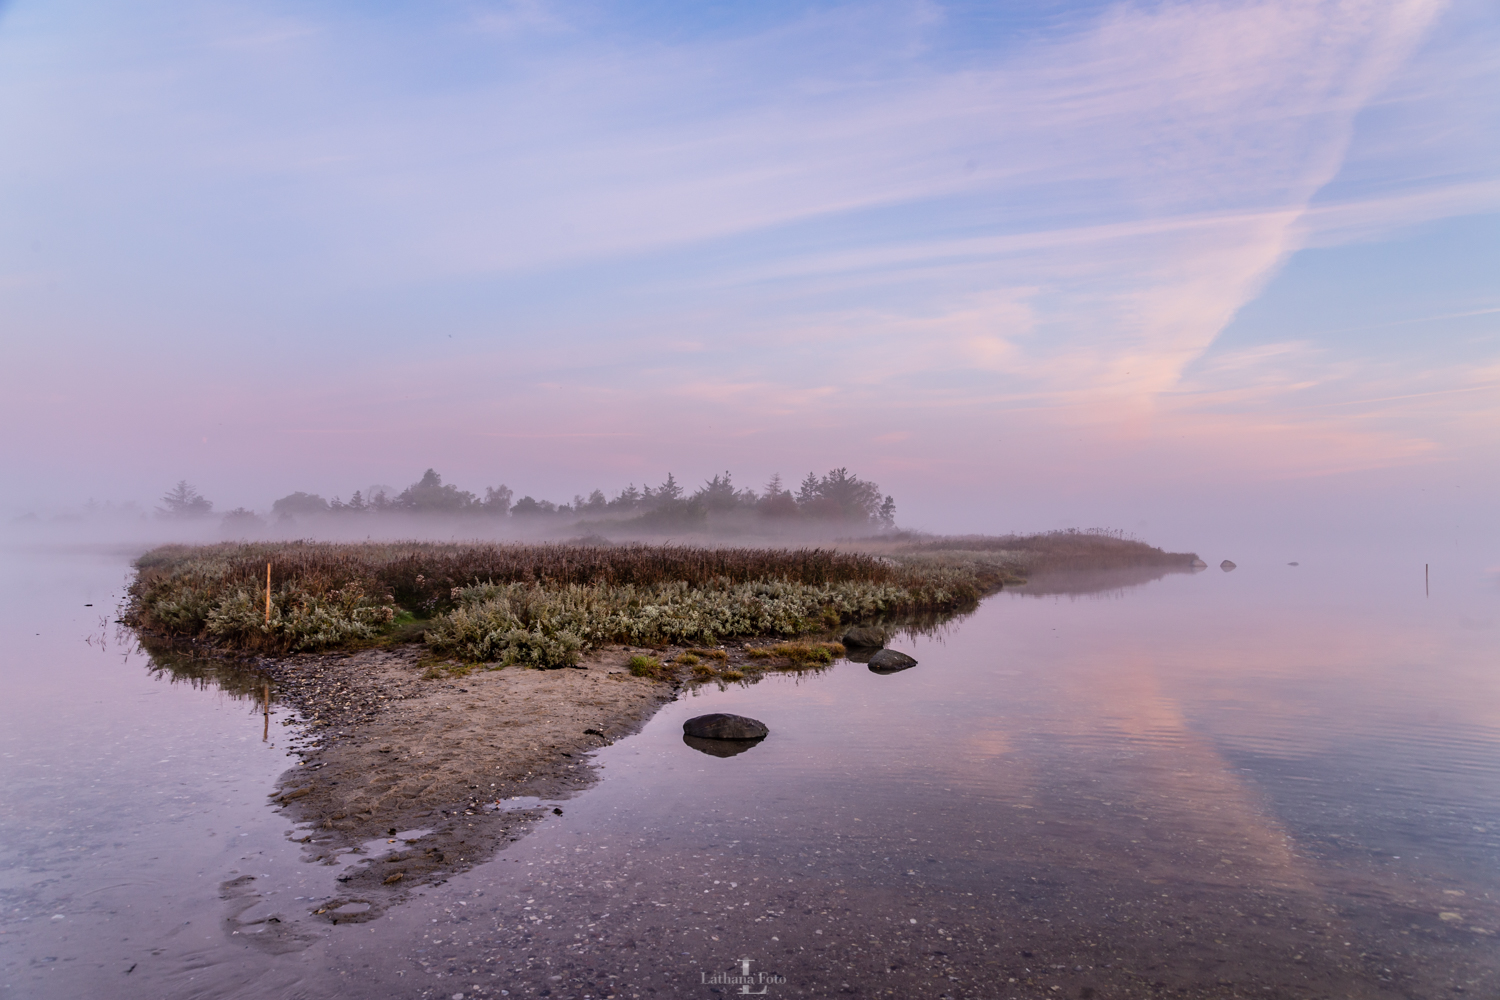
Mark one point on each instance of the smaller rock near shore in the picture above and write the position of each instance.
(1226, 565)
(865, 637)
(722, 726)
(888, 661)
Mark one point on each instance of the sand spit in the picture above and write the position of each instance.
(441, 762)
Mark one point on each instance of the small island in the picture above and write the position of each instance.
(392, 655)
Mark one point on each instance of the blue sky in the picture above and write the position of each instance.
(1114, 262)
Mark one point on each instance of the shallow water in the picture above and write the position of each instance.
(1280, 781)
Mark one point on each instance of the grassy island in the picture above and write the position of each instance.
(541, 605)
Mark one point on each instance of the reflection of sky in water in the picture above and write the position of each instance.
(1326, 734)
(1293, 715)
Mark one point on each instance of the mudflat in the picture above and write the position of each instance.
(431, 767)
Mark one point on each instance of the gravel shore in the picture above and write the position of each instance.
(445, 769)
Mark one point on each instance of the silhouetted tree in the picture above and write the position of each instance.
(497, 500)
(776, 500)
(629, 499)
(717, 494)
(669, 490)
(241, 521)
(855, 498)
(429, 496)
(299, 504)
(526, 507)
(808, 491)
(184, 501)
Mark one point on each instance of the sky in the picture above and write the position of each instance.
(1192, 270)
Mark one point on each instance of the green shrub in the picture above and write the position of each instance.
(800, 653)
(644, 666)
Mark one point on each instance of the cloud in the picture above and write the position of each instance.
(832, 222)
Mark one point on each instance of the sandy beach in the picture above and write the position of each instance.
(441, 762)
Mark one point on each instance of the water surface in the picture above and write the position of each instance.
(1280, 781)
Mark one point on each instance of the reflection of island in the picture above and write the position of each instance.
(1094, 582)
(238, 679)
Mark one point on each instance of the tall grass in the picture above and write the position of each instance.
(536, 604)
(1047, 552)
(544, 604)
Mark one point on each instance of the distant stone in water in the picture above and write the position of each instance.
(888, 661)
(719, 748)
(722, 726)
(1199, 563)
(1226, 565)
(1293, 564)
(865, 637)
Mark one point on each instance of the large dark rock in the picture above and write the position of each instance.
(888, 661)
(721, 726)
(719, 748)
(865, 637)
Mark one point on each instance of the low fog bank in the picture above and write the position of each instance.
(838, 505)
(1387, 520)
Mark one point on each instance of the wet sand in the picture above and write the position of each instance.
(440, 761)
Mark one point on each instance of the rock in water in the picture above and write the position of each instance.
(888, 661)
(1199, 563)
(1226, 565)
(865, 637)
(721, 726)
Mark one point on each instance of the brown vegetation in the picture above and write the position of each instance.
(543, 604)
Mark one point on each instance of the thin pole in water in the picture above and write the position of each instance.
(265, 732)
(268, 593)
(1427, 578)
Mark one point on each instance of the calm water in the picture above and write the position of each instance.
(1281, 781)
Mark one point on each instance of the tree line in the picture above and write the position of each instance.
(837, 496)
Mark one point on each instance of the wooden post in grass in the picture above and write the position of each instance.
(268, 593)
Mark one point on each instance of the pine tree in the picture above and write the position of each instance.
(669, 490)
(809, 491)
(184, 501)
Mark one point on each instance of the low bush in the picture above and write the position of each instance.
(644, 666)
(800, 653)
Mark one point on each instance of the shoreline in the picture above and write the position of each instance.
(431, 766)
(421, 774)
